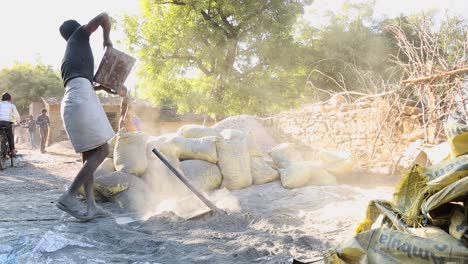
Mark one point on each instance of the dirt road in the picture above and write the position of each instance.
(269, 225)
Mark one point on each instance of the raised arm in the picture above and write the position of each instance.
(102, 20)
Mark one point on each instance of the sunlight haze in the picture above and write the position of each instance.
(30, 28)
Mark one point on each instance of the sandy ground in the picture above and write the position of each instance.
(270, 225)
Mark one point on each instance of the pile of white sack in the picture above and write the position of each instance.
(136, 179)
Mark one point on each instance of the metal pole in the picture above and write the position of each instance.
(186, 182)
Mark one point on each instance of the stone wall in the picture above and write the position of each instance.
(359, 127)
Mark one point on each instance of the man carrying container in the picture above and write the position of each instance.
(83, 116)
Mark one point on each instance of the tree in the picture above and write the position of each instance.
(351, 52)
(28, 83)
(217, 56)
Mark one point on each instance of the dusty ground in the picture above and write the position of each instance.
(272, 224)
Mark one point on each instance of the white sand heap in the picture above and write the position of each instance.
(251, 125)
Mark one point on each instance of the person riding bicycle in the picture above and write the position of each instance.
(8, 116)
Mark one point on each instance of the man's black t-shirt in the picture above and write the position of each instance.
(78, 60)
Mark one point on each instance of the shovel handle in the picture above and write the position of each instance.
(185, 181)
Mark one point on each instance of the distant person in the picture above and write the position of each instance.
(83, 116)
(32, 125)
(8, 116)
(136, 122)
(128, 119)
(124, 107)
(43, 122)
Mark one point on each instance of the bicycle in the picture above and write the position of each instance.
(4, 148)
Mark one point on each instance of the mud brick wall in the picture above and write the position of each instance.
(352, 127)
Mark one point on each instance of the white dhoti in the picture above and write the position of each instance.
(83, 116)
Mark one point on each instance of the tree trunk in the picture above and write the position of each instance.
(218, 89)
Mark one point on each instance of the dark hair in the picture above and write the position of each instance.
(6, 97)
(68, 27)
(44, 110)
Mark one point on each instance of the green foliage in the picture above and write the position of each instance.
(351, 45)
(28, 83)
(452, 44)
(222, 57)
(217, 57)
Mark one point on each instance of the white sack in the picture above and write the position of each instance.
(203, 175)
(130, 152)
